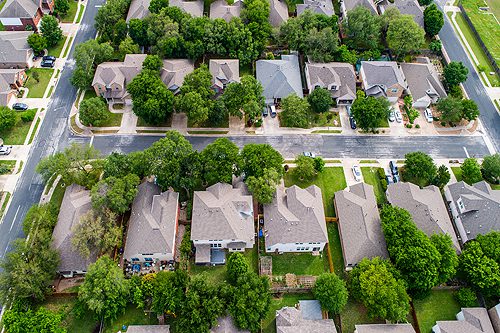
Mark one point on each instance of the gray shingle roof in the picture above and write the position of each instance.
(174, 71)
(195, 8)
(7, 78)
(407, 7)
(19, 9)
(469, 320)
(338, 74)
(324, 7)
(351, 4)
(224, 71)
(423, 81)
(222, 212)
(295, 216)
(303, 319)
(278, 12)
(153, 221)
(380, 75)
(280, 78)
(138, 9)
(226, 325)
(384, 328)
(494, 314)
(359, 224)
(221, 9)
(148, 329)
(75, 204)
(426, 207)
(14, 46)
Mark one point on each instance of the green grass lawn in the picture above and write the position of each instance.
(383, 123)
(370, 175)
(115, 119)
(324, 119)
(335, 248)
(132, 316)
(80, 13)
(8, 165)
(142, 123)
(439, 305)
(355, 313)
(57, 49)
(16, 135)
(330, 180)
(89, 94)
(70, 15)
(58, 194)
(66, 51)
(300, 264)
(71, 322)
(269, 323)
(37, 89)
(457, 171)
(208, 124)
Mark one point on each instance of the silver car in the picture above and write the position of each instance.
(399, 116)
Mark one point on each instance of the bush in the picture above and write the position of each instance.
(456, 91)
(28, 115)
(4, 169)
(383, 182)
(409, 125)
(381, 173)
(417, 126)
(466, 297)
(443, 123)
(7, 119)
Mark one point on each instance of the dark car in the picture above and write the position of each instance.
(389, 179)
(393, 167)
(20, 106)
(47, 63)
(395, 178)
(49, 57)
(353, 123)
(265, 112)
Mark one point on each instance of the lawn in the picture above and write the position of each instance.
(330, 180)
(56, 50)
(80, 13)
(439, 305)
(65, 306)
(70, 15)
(37, 89)
(209, 124)
(89, 94)
(335, 248)
(58, 194)
(355, 313)
(324, 119)
(269, 323)
(300, 264)
(114, 119)
(142, 123)
(132, 316)
(17, 135)
(7, 166)
(370, 175)
(457, 171)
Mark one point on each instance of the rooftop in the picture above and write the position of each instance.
(280, 78)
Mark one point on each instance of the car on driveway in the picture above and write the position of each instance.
(395, 178)
(389, 180)
(5, 150)
(49, 57)
(47, 63)
(392, 115)
(309, 154)
(398, 115)
(393, 167)
(356, 171)
(265, 112)
(273, 111)
(20, 106)
(428, 115)
(353, 123)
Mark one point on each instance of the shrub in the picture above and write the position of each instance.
(28, 115)
(381, 173)
(466, 297)
(409, 125)
(417, 126)
(7, 118)
(383, 182)
(4, 169)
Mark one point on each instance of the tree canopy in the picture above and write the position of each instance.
(369, 111)
(404, 35)
(254, 154)
(304, 167)
(264, 187)
(433, 20)
(87, 56)
(419, 168)
(455, 73)
(471, 171)
(491, 168)
(168, 289)
(295, 112)
(220, 161)
(331, 292)
(363, 28)
(93, 111)
(50, 30)
(320, 100)
(20, 320)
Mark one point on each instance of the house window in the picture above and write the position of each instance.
(269, 249)
(394, 90)
(215, 245)
(334, 88)
(315, 248)
(460, 205)
(148, 259)
(134, 259)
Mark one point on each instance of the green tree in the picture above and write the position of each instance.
(137, 30)
(433, 20)
(442, 176)
(115, 193)
(466, 297)
(168, 289)
(93, 111)
(152, 63)
(319, 164)
(424, 2)
(449, 258)
(404, 35)
(50, 30)
(451, 109)
(455, 73)
(305, 168)
(470, 111)
(87, 56)
(363, 28)
(331, 292)
(320, 100)
(345, 55)
(471, 171)
(376, 284)
(61, 7)
(8, 119)
(264, 187)
(491, 168)
(436, 46)
(252, 156)
(128, 46)
(200, 81)
(155, 6)
(369, 111)
(295, 112)
(419, 168)
(389, 15)
(238, 95)
(119, 165)
(237, 265)
(321, 45)
(220, 160)
(43, 320)
(193, 104)
(37, 42)
(108, 17)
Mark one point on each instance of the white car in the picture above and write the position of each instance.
(356, 171)
(309, 154)
(5, 150)
(392, 115)
(428, 115)
(399, 116)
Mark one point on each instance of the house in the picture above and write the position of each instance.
(382, 79)
(138, 9)
(280, 78)
(224, 71)
(295, 220)
(469, 320)
(384, 328)
(475, 209)
(75, 204)
(348, 5)
(10, 82)
(324, 7)
(338, 77)
(494, 314)
(14, 49)
(304, 317)
(194, 7)
(148, 329)
(23, 15)
(423, 82)
(153, 224)
(221, 9)
(174, 71)
(222, 218)
(405, 7)
(359, 224)
(278, 12)
(426, 206)
(226, 325)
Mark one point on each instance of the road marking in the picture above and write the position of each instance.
(466, 153)
(14, 220)
(91, 140)
(98, 6)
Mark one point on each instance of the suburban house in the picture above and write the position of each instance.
(224, 71)
(226, 325)
(382, 79)
(221, 9)
(424, 84)
(359, 224)
(75, 204)
(278, 12)
(222, 218)
(280, 78)
(195, 7)
(469, 320)
(10, 82)
(324, 7)
(348, 5)
(111, 78)
(138, 9)
(426, 206)
(295, 220)
(14, 49)
(494, 313)
(304, 317)
(152, 227)
(22, 15)
(337, 77)
(475, 209)
(148, 329)
(405, 7)
(384, 328)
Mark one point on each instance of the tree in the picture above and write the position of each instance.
(200, 81)
(104, 290)
(157, 5)
(320, 100)
(304, 169)
(168, 289)
(369, 111)
(436, 46)
(220, 160)
(50, 30)
(471, 171)
(254, 154)
(470, 110)
(87, 56)
(442, 176)
(256, 15)
(451, 109)
(264, 187)
(115, 193)
(128, 46)
(449, 259)
(433, 20)
(22, 320)
(455, 73)
(237, 265)
(321, 45)
(137, 30)
(248, 91)
(389, 15)
(424, 2)
(419, 168)
(8, 119)
(152, 63)
(61, 7)
(319, 164)
(376, 284)
(294, 112)
(37, 42)
(491, 168)
(466, 297)
(93, 111)
(108, 16)
(331, 292)
(404, 35)
(194, 106)
(363, 28)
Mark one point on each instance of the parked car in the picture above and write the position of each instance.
(5, 150)
(428, 115)
(356, 171)
(398, 115)
(273, 110)
(395, 178)
(392, 115)
(49, 57)
(47, 63)
(265, 112)
(20, 106)
(309, 154)
(389, 180)
(352, 122)
(394, 168)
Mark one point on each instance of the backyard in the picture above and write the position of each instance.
(66, 307)
(370, 175)
(355, 313)
(439, 305)
(131, 316)
(335, 248)
(300, 264)
(37, 89)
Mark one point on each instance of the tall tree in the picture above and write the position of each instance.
(470, 111)
(93, 111)
(363, 28)
(156, 6)
(200, 81)
(455, 73)
(50, 30)
(252, 156)
(128, 46)
(43, 320)
(305, 168)
(331, 292)
(449, 258)
(471, 171)
(419, 168)
(8, 119)
(237, 266)
(137, 30)
(369, 111)
(320, 100)
(194, 106)
(220, 161)
(442, 176)
(451, 109)
(404, 35)
(433, 20)
(87, 56)
(37, 42)
(108, 16)
(491, 168)
(264, 187)
(61, 7)
(295, 112)
(168, 289)
(115, 193)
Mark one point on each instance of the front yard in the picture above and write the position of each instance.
(370, 175)
(16, 135)
(70, 15)
(457, 171)
(439, 305)
(37, 89)
(57, 49)
(300, 264)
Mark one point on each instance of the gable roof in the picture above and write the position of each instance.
(359, 224)
(14, 46)
(469, 320)
(423, 81)
(222, 212)
(494, 314)
(195, 8)
(324, 7)
(304, 318)
(405, 7)
(226, 325)
(426, 207)
(378, 76)
(153, 221)
(224, 71)
(148, 329)
(138, 9)
(174, 71)
(75, 204)
(221, 9)
(280, 78)
(296, 215)
(332, 73)
(278, 12)
(8, 77)
(19, 9)
(351, 4)
(384, 328)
